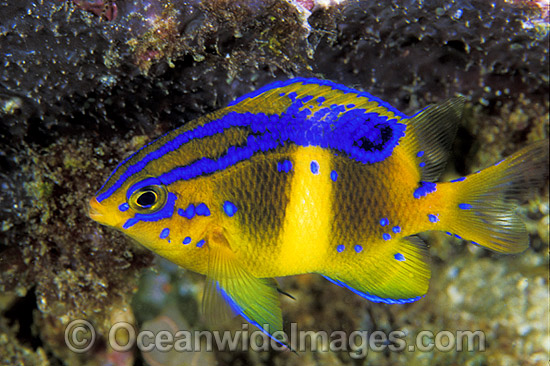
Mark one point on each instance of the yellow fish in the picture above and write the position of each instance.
(308, 176)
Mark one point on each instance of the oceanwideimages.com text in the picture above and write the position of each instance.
(80, 336)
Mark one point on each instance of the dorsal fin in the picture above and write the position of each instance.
(430, 134)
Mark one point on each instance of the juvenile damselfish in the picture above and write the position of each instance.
(308, 176)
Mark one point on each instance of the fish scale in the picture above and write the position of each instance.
(308, 176)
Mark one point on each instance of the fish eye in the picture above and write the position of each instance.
(148, 199)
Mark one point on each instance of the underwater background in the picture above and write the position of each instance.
(85, 83)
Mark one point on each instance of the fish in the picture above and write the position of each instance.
(309, 176)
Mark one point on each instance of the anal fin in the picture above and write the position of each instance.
(395, 273)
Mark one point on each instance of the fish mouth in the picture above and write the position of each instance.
(94, 210)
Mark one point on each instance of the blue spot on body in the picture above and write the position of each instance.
(464, 206)
(188, 213)
(229, 208)
(458, 237)
(350, 106)
(433, 218)
(448, 233)
(320, 100)
(200, 243)
(458, 179)
(420, 153)
(473, 242)
(340, 248)
(384, 221)
(123, 207)
(399, 257)
(284, 166)
(424, 189)
(358, 248)
(187, 240)
(422, 164)
(314, 166)
(386, 236)
(292, 96)
(396, 229)
(333, 175)
(164, 233)
(202, 210)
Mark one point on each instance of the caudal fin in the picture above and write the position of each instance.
(486, 200)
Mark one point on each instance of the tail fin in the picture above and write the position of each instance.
(486, 200)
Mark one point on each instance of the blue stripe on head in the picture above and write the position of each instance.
(365, 137)
(209, 129)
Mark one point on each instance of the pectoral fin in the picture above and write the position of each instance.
(256, 299)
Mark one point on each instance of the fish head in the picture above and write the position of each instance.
(141, 209)
(155, 213)
(136, 203)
